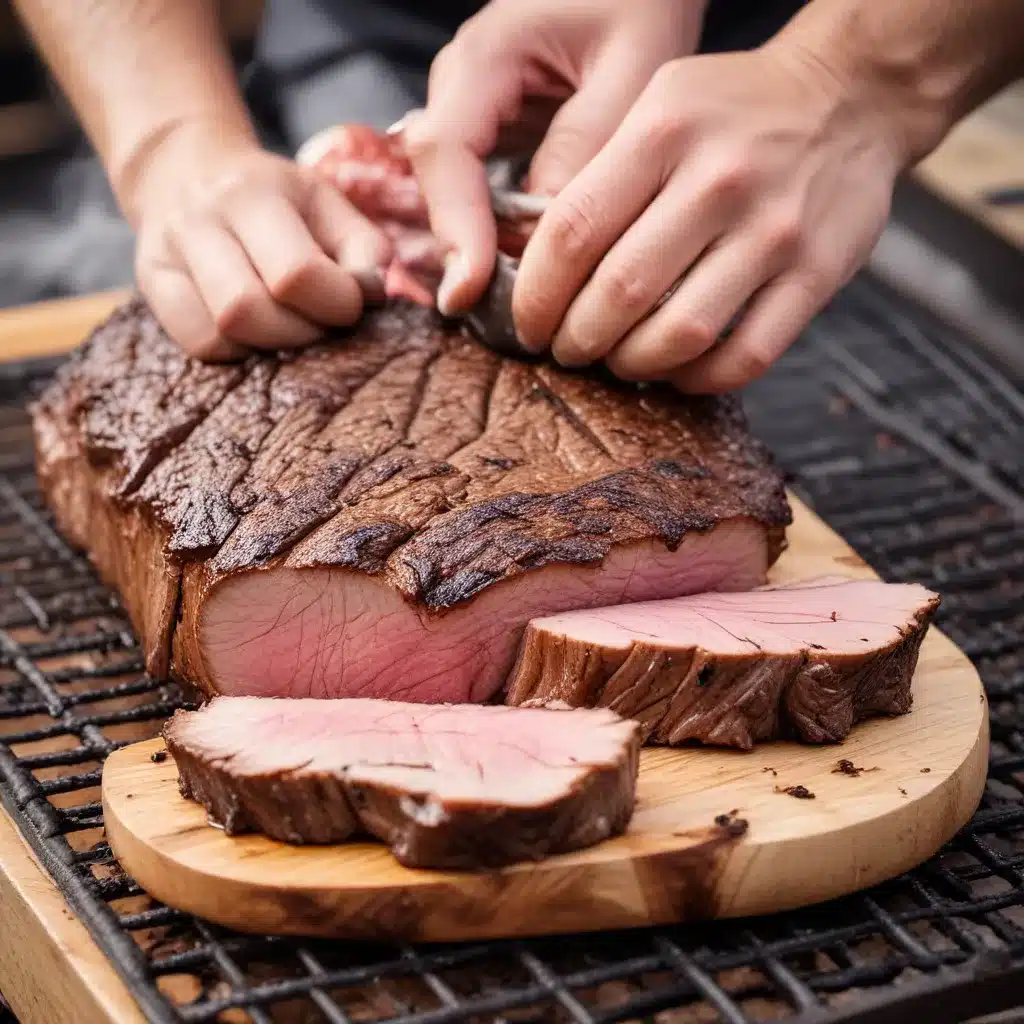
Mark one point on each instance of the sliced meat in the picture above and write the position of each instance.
(806, 660)
(381, 514)
(470, 786)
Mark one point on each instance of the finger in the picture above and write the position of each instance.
(293, 267)
(640, 268)
(238, 302)
(353, 241)
(773, 322)
(469, 97)
(579, 227)
(587, 120)
(720, 283)
(177, 304)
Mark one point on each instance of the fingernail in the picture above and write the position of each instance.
(397, 127)
(456, 273)
(371, 281)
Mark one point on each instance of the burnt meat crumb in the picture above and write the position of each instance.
(833, 616)
(704, 676)
(158, 757)
(902, 790)
(798, 792)
(845, 767)
(925, 771)
(734, 827)
(775, 774)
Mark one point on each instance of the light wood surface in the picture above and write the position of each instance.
(928, 772)
(48, 328)
(51, 971)
(982, 153)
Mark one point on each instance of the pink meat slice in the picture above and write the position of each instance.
(444, 786)
(374, 174)
(806, 660)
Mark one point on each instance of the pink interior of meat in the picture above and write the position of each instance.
(374, 174)
(325, 633)
(493, 753)
(840, 615)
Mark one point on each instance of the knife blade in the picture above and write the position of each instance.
(490, 318)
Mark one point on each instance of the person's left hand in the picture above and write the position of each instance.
(758, 180)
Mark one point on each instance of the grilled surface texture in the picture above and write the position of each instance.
(381, 514)
(805, 661)
(459, 787)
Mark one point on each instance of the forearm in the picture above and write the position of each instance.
(924, 63)
(136, 71)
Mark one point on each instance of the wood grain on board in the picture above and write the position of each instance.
(924, 777)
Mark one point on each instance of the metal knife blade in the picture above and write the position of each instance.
(490, 318)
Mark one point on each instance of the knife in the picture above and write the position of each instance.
(490, 318)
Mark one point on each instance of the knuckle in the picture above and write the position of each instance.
(732, 181)
(628, 289)
(692, 335)
(293, 280)
(748, 364)
(784, 237)
(238, 311)
(573, 227)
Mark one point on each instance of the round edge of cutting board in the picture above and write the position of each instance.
(674, 864)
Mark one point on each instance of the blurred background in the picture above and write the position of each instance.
(60, 231)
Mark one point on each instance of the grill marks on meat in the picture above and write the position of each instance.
(806, 660)
(310, 523)
(445, 787)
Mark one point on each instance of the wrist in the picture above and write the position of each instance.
(174, 148)
(888, 82)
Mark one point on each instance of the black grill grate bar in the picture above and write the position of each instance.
(327, 1006)
(686, 969)
(955, 361)
(863, 476)
(798, 994)
(976, 473)
(231, 972)
(70, 783)
(552, 983)
(444, 994)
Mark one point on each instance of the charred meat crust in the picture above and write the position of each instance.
(401, 449)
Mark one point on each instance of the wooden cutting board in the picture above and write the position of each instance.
(925, 779)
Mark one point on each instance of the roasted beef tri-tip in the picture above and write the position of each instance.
(381, 514)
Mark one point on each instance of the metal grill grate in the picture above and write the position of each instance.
(906, 442)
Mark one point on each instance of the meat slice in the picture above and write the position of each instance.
(806, 660)
(465, 786)
(381, 514)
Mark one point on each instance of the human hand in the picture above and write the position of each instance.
(760, 179)
(518, 72)
(240, 248)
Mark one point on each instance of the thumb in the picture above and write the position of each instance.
(586, 121)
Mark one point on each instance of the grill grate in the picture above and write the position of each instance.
(902, 439)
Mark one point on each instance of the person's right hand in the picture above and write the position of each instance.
(238, 248)
(561, 74)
